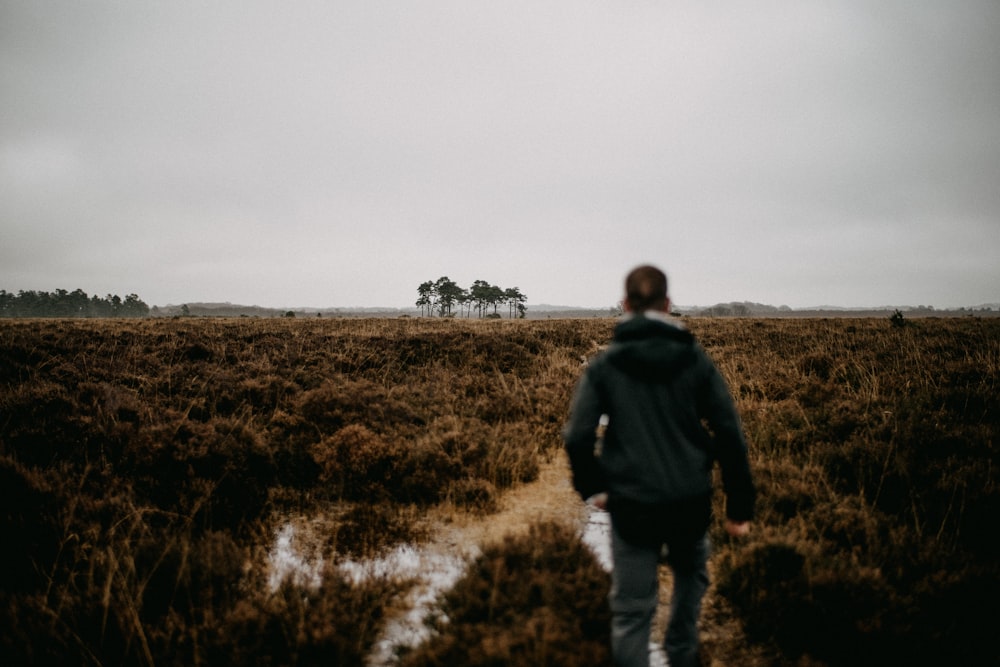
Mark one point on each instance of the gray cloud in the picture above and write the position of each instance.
(342, 153)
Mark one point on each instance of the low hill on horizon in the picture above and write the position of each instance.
(731, 309)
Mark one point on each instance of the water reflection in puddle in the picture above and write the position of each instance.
(597, 536)
(433, 568)
(287, 561)
(434, 573)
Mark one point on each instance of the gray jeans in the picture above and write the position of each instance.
(634, 596)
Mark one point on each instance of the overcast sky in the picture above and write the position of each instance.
(341, 153)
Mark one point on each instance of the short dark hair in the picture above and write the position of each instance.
(645, 288)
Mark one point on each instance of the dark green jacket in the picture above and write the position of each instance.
(671, 418)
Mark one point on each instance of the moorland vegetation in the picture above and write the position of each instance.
(145, 466)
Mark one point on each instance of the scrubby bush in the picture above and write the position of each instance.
(141, 461)
(874, 481)
(335, 624)
(539, 598)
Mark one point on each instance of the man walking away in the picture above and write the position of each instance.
(666, 417)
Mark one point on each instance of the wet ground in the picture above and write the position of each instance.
(437, 564)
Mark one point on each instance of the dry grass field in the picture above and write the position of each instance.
(145, 466)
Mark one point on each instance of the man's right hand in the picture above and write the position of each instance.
(737, 528)
(598, 501)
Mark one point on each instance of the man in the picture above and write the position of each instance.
(669, 416)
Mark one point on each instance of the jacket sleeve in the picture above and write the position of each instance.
(719, 411)
(579, 435)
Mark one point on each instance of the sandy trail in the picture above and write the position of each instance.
(457, 537)
(549, 498)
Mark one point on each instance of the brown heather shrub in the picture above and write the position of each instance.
(513, 456)
(217, 472)
(423, 473)
(366, 529)
(33, 534)
(42, 424)
(768, 582)
(265, 393)
(539, 598)
(356, 463)
(336, 404)
(477, 495)
(809, 605)
(793, 490)
(114, 573)
(894, 434)
(334, 625)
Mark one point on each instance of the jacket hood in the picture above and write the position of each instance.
(650, 348)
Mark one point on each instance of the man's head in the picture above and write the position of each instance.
(646, 289)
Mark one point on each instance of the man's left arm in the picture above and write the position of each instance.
(731, 450)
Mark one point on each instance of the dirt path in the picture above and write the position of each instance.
(550, 497)
(455, 538)
(458, 536)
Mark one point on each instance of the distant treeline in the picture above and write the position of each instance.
(750, 309)
(62, 303)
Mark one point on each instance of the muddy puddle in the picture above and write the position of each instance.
(434, 568)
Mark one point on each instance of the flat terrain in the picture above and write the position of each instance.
(147, 464)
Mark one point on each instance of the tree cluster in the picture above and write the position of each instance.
(69, 304)
(741, 309)
(445, 298)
